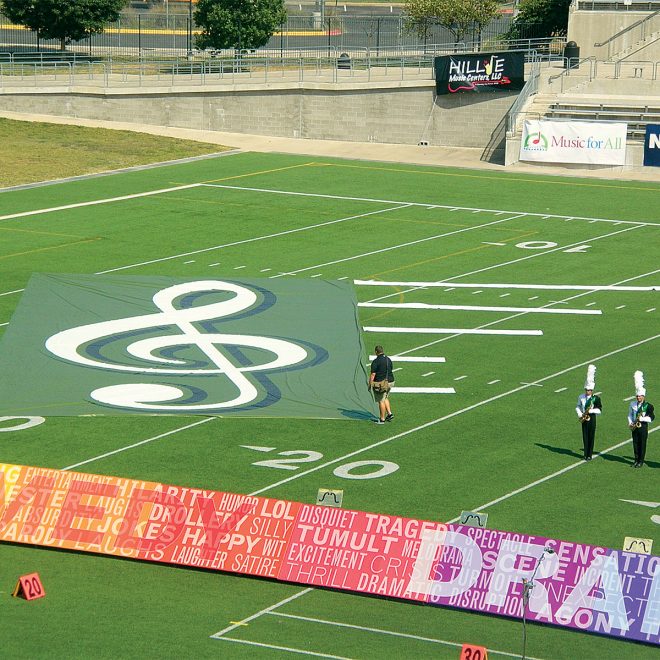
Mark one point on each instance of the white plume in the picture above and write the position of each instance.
(639, 383)
(590, 383)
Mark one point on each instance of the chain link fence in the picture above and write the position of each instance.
(160, 34)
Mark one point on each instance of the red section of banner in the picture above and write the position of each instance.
(355, 550)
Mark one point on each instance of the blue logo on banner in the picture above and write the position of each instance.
(652, 145)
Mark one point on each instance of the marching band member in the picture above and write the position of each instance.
(640, 415)
(588, 406)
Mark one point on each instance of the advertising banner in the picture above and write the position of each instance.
(596, 143)
(652, 145)
(590, 588)
(479, 72)
(129, 345)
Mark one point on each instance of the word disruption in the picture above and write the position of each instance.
(590, 588)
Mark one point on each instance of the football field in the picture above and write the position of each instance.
(492, 292)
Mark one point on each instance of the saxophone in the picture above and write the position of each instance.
(585, 415)
(637, 424)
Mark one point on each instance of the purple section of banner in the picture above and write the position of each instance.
(586, 587)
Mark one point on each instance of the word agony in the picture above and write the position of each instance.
(579, 586)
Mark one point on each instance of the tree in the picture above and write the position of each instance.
(457, 16)
(540, 18)
(66, 20)
(237, 23)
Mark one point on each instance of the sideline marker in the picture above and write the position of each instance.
(473, 652)
(29, 587)
(329, 497)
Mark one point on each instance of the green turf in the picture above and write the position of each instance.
(495, 435)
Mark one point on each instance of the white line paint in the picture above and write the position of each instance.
(591, 304)
(552, 287)
(532, 298)
(276, 647)
(490, 243)
(504, 295)
(452, 331)
(651, 310)
(492, 382)
(192, 261)
(538, 482)
(482, 308)
(266, 610)
(561, 389)
(96, 202)
(265, 270)
(317, 275)
(423, 390)
(522, 382)
(397, 369)
(474, 293)
(451, 415)
(428, 373)
(451, 288)
(381, 631)
(421, 205)
(238, 267)
(217, 263)
(620, 307)
(460, 377)
(371, 253)
(407, 358)
(138, 444)
(343, 278)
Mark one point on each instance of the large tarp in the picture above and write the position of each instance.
(110, 345)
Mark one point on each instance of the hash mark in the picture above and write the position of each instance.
(620, 307)
(428, 373)
(561, 389)
(492, 382)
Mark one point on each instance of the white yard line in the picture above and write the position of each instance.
(558, 473)
(138, 444)
(551, 287)
(400, 358)
(399, 246)
(480, 308)
(424, 205)
(423, 390)
(450, 331)
(266, 610)
(96, 202)
(381, 631)
(461, 411)
(276, 647)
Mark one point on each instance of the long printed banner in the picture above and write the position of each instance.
(578, 586)
(599, 143)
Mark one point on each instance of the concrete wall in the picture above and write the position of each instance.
(587, 28)
(402, 113)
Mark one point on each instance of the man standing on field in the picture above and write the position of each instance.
(380, 383)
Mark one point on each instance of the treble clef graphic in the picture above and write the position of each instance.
(152, 396)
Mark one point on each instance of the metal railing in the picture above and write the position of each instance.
(642, 24)
(530, 88)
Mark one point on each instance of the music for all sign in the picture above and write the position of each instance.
(479, 72)
(107, 345)
(596, 143)
(589, 588)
